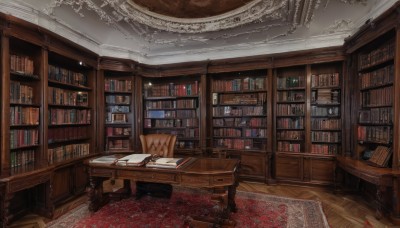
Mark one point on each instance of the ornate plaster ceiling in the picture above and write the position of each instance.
(190, 8)
(164, 31)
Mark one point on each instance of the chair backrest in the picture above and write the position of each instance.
(160, 144)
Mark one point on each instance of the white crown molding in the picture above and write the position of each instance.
(379, 8)
(273, 47)
(25, 12)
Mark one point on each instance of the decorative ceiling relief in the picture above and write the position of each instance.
(294, 12)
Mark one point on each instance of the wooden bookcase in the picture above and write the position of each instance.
(119, 105)
(308, 111)
(239, 124)
(23, 105)
(376, 77)
(172, 105)
(70, 122)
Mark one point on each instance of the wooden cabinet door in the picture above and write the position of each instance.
(62, 186)
(81, 178)
(253, 165)
(321, 170)
(288, 167)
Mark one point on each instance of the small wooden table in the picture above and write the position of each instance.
(218, 175)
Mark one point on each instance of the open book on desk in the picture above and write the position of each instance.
(172, 163)
(134, 160)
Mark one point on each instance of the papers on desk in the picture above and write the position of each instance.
(109, 159)
(133, 160)
(172, 163)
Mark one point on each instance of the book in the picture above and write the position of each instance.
(109, 159)
(134, 160)
(172, 163)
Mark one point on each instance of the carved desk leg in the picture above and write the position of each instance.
(379, 210)
(95, 193)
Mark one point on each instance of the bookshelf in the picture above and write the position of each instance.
(70, 102)
(376, 114)
(172, 106)
(326, 109)
(119, 111)
(24, 142)
(239, 108)
(290, 84)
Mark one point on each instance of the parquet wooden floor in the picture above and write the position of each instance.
(342, 211)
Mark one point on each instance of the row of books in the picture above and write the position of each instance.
(67, 152)
(325, 80)
(117, 85)
(67, 133)
(20, 115)
(326, 124)
(374, 134)
(187, 144)
(376, 56)
(323, 136)
(118, 131)
(172, 89)
(377, 97)
(246, 99)
(118, 108)
(290, 82)
(160, 114)
(239, 84)
(118, 99)
(290, 135)
(148, 123)
(240, 122)
(59, 96)
(326, 149)
(23, 160)
(19, 93)
(325, 111)
(235, 132)
(382, 76)
(21, 64)
(239, 144)
(376, 116)
(238, 111)
(290, 96)
(186, 133)
(22, 138)
(325, 96)
(118, 144)
(290, 109)
(289, 146)
(290, 123)
(184, 103)
(67, 76)
(69, 116)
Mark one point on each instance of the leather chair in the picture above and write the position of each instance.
(162, 145)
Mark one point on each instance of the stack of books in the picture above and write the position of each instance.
(172, 163)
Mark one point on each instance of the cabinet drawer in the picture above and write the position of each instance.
(222, 180)
(149, 176)
(195, 180)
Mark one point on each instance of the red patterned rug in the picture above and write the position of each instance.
(254, 210)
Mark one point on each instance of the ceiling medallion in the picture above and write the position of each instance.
(294, 12)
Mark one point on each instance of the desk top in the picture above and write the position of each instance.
(194, 165)
(350, 163)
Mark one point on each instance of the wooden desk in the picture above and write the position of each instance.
(384, 178)
(218, 175)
